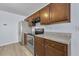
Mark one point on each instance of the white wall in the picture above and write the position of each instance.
(75, 35)
(9, 33)
(63, 27)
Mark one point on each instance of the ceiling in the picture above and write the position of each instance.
(23, 9)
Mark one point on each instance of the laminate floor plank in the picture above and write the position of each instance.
(14, 50)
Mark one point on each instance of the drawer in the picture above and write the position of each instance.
(57, 45)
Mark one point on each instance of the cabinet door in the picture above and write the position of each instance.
(52, 51)
(29, 19)
(39, 46)
(44, 15)
(59, 12)
(25, 39)
(55, 49)
(35, 15)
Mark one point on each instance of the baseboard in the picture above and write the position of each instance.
(8, 43)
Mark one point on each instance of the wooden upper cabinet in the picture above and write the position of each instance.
(52, 13)
(35, 15)
(59, 12)
(29, 19)
(55, 12)
(44, 15)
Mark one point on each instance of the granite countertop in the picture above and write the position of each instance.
(57, 36)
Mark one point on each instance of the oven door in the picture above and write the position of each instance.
(30, 43)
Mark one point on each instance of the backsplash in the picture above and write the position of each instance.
(64, 27)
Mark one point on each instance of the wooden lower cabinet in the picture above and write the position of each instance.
(39, 50)
(53, 48)
(51, 51)
(39, 46)
(25, 38)
(46, 47)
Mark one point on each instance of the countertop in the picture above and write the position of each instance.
(57, 36)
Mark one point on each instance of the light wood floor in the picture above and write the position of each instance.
(14, 50)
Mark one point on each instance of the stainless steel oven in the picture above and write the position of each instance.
(30, 43)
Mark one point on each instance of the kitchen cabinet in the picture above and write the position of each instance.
(55, 12)
(29, 20)
(52, 13)
(45, 15)
(25, 38)
(53, 48)
(39, 46)
(59, 12)
(46, 47)
(32, 18)
(36, 15)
